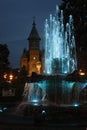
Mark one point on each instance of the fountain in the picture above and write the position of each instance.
(60, 61)
(35, 92)
(60, 50)
(52, 100)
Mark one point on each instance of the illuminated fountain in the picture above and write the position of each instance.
(60, 50)
(61, 83)
(60, 61)
(35, 92)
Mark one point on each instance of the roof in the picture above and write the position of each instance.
(34, 33)
(25, 54)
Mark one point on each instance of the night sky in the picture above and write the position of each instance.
(16, 17)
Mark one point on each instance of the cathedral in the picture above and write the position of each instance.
(32, 59)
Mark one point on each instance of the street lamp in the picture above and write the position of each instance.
(10, 77)
(81, 73)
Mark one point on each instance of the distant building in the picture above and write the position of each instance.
(32, 59)
(8, 92)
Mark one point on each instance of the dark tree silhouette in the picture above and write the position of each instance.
(4, 61)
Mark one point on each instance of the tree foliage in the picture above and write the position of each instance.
(4, 62)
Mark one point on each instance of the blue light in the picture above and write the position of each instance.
(1, 110)
(43, 112)
(35, 100)
(5, 108)
(76, 104)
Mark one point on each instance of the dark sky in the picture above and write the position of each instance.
(16, 17)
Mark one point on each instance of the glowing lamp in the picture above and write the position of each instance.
(81, 73)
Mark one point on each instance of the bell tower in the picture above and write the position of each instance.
(34, 51)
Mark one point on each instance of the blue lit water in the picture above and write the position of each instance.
(60, 50)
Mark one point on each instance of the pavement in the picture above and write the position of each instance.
(10, 120)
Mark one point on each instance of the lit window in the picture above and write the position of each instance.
(34, 58)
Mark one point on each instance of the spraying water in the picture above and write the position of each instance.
(60, 50)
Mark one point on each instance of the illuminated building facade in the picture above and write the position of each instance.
(31, 59)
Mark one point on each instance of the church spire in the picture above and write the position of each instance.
(34, 33)
(34, 38)
(34, 21)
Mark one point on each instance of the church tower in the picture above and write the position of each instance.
(34, 64)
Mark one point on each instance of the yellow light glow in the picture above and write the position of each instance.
(5, 76)
(34, 57)
(81, 72)
(10, 76)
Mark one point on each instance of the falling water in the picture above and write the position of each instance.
(60, 50)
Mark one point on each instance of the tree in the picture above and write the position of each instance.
(4, 62)
(78, 9)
